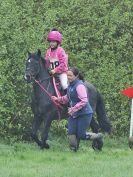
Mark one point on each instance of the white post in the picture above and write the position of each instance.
(131, 121)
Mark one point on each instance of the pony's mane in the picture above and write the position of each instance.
(43, 61)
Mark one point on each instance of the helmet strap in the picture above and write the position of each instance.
(52, 49)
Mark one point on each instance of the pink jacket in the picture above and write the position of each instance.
(82, 95)
(60, 55)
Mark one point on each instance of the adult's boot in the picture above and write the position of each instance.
(97, 140)
(73, 143)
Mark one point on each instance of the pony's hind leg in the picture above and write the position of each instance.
(35, 127)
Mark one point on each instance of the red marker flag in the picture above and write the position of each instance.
(128, 92)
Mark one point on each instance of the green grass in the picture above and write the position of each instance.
(27, 160)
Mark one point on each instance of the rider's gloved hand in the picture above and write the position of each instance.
(49, 70)
(52, 71)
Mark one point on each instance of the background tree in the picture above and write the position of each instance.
(98, 38)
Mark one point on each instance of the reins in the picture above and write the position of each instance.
(54, 102)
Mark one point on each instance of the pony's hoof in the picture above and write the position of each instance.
(97, 144)
(74, 149)
(35, 138)
(45, 146)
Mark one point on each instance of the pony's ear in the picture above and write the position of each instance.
(28, 53)
(39, 52)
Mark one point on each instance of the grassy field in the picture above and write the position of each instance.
(27, 160)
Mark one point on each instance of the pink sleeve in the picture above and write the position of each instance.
(64, 99)
(63, 61)
(82, 95)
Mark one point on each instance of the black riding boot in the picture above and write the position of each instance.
(65, 91)
(73, 143)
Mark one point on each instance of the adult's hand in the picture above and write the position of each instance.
(70, 111)
(54, 98)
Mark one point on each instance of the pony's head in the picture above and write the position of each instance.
(32, 66)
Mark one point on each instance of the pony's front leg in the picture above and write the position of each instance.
(45, 133)
(35, 127)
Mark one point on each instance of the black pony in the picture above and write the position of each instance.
(45, 110)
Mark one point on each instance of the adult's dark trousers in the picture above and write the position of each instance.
(77, 126)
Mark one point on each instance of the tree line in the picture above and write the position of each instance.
(98, 37)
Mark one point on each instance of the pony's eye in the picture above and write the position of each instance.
(29, 60)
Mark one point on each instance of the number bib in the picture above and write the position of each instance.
(54, 62)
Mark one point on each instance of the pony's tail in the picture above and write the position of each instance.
(103, 121)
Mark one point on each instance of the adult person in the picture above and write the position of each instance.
(79, 109)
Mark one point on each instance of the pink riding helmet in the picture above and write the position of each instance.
(54, 36)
